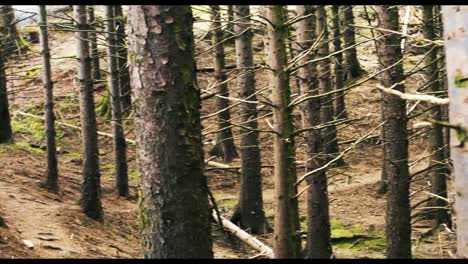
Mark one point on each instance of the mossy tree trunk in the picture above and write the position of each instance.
(174, 210)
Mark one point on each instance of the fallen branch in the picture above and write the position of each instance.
(245, 237)
(130, 141)
(415, 97)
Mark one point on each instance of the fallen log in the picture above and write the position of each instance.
(130, 141)
(245, 237)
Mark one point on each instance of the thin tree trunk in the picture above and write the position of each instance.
(95, 69)
(329, 135)
(352, 66)
(6, 134)
(52, 170)
(91, 188)
(318, 220)
(230, 24)
(249, 211)
(398, 226)
(174, 210)
(225, 141)
(124, 75)
(436, 140)
(287, 239)
(442, 76)
(120, 146)
(456, 49)
(340, 108)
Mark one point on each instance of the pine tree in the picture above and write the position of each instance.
(174, 211)
(52, 170)
(398, 226)
(91, 188)
(287, 240)
(249, 212)
(318, 219)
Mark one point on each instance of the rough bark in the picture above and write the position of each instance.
(287, 240)
(398, 226)
(91, 189)
(455, 20)
(52, 170)
(352, 66)
(225, 142)
(340, 107)
(329, 135)
(95, 68)
(174, 211)
(120, 146)
(8, 33)
(438, 173)
(318, 220)
(6, 134)
(124, 75)
(249, 212)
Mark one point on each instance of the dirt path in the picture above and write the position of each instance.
(38, 220)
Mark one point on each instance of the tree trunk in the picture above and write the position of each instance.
(456, 56)
(8, 33)
(340, 108)
(398, 226)
(438, 173)
(91, 188)
(352, 66)
(249, 211)
(120, 146)
(124, 75)
(174, 211)
(95, 69)
(287, 239)
(329, 137)
(52, 170)
(230, 24)
(318, 220)
(6, 134)
(225, 142)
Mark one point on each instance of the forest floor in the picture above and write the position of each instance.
(55, 226)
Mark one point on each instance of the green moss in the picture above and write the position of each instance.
(34, 127)
(460, 80)
(143, 219)
(73, 154)
(228, 203)
(133, 174)
(25, 145)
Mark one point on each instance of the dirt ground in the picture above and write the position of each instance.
(55, 226)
